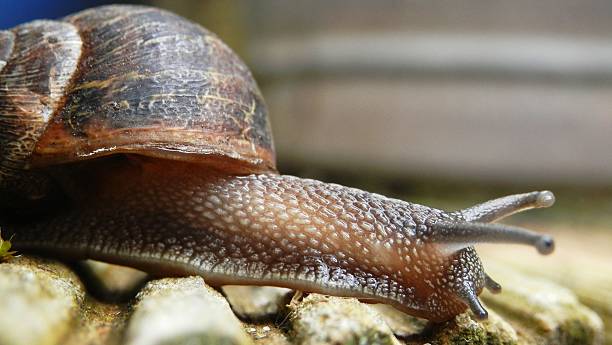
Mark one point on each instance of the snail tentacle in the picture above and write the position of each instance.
(470, 297)
(492, 285)
(497, 209)
(465, 234)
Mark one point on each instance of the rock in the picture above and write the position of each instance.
(43, 302)
(112, 282)
(464, 330)
(402, 325)
(544, 312)
(267, 334)
(257, 302)
(581, 262)
(182, 311)
(98, 324)
(39, 300)
(321, 319)
(529, 311)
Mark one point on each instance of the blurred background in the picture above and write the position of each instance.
(445, 103)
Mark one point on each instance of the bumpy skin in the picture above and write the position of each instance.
(262, 229)
(133, 136)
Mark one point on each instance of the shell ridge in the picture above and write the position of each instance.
(33, 80)
(149, 78)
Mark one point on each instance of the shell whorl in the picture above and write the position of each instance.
(39, 60)
(154, 83)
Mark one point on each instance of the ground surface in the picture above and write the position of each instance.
(45, 302)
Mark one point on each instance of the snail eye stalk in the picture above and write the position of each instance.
(476, 226)
(465, 234)
(497, 209)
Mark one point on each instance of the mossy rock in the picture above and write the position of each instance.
(529, 311)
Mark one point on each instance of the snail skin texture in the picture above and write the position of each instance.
(133, 136)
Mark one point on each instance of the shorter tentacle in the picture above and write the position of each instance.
(465, 234)
(469, 296)
(496, 209)
(492, 285)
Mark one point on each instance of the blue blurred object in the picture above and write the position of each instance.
(16, 12)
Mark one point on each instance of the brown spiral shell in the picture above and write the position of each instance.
(119, 79)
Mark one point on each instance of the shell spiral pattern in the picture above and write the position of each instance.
(96, 82)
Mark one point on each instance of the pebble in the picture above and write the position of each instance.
(183, 311)
(255, 303)
(543, 311)
(39, 300)
(44, 302)
(321, 319)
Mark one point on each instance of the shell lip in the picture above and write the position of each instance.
(233, 156)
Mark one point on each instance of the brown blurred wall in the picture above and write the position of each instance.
(481, 90)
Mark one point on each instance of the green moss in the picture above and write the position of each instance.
(465, 331)
(371, 337)
(574, 332)
(478, 336)
(469, 336)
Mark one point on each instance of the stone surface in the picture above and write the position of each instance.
(267, 334)
(257, 302)
(544, 312)
(581, 263)
(402, 325)
(39, 301)
(464, 329)
(320, 319)
(112, 281)
(98, 324)
(182, 311)
(45, 303)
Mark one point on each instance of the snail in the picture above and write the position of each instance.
(133, 136)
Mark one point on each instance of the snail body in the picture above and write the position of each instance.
(133, 136)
